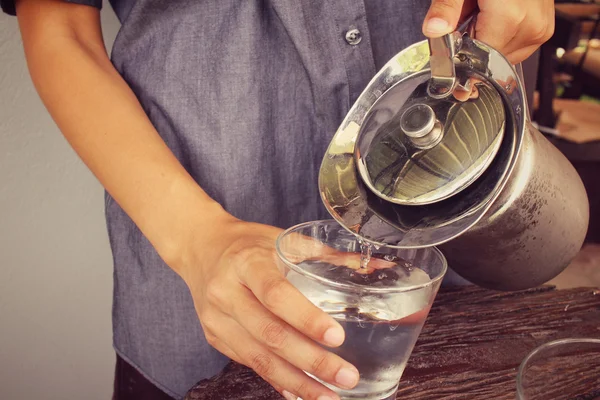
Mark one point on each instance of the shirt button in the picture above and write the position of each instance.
(353, 37)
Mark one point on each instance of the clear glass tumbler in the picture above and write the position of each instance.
(566, 369)
(382, 307)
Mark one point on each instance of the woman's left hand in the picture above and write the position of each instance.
(516, 28)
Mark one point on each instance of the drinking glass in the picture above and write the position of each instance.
(562, 369)
(382, 307)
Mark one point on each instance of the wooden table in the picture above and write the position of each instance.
(470, 347)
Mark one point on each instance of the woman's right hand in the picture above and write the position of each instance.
(253, 315)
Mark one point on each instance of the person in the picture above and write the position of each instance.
(207, 126)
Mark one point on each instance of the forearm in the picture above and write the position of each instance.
(103, 121)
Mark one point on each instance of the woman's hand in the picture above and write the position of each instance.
(516, 28)
(252, 314)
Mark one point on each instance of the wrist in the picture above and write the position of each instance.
(185, 218)
(202, 232)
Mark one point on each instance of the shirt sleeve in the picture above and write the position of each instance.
(8, 6)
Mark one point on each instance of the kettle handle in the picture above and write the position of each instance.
(442, 51)
(468, 27)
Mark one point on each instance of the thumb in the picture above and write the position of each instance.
(442, 18)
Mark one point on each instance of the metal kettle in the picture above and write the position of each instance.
(438, 150)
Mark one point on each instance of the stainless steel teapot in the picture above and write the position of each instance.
(439, 151)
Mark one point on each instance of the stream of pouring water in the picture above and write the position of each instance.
(366, 250)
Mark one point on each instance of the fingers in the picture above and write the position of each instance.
(285, 301)
(535, 32)
(515, 28)
(290, 345)
(464, 95)
(304, 248)
(498, 22)
(218, 344)
(278, 372)
(522, 54)
(353, 261)
(228, 352)
(442, 17)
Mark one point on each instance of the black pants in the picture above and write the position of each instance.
(131, 385)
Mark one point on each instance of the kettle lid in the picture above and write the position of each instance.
(453, 154)
(430, 147)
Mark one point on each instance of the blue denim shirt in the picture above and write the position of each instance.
(247, 95)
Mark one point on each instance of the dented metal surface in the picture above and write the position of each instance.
(534, 228)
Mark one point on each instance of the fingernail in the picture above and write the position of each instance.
(288, 395)
(437, 26)
(324, 398)
(347, 377)
(334, 336)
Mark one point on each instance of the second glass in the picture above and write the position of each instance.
(380, 295)
(565, 369)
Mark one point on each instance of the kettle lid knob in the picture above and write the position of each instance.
(417, 121)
